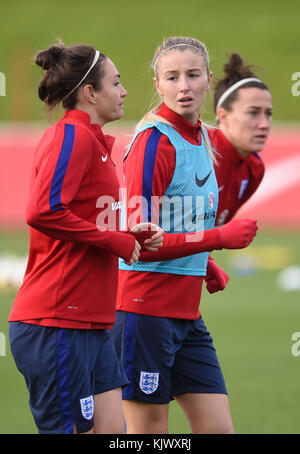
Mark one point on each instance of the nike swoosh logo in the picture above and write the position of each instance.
(221, 188)
(203, 181)
(104, 159)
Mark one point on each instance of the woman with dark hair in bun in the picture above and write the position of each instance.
(62, 316)
(243, 106)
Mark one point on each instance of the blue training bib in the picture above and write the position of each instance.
(189, 205)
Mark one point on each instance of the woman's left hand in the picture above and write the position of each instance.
(216, 278)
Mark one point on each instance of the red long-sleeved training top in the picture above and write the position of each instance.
(161, 294)
(171, 295)
(73, 213)
(238, 177)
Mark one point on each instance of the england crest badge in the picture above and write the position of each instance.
(87, 407)
(149, 382)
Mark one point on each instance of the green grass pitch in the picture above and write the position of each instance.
(252, 323)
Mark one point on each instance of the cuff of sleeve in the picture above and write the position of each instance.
(212, 238)
(141, 237)
(124, 245)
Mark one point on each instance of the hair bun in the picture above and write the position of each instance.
(234, 65)
(49, 57)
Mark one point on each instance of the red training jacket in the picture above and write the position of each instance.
(72, 270)
(238, 177)
(170, 295)
(161, 294)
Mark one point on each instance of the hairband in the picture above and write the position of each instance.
(235, 87)
(96, 58)
(178, 45)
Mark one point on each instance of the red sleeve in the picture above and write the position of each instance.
(176, 245)
(148, 171)
(57, 181)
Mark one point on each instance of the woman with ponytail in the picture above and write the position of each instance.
(160, 336)
(243, 107)
(61, 319)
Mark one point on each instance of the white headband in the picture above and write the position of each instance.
(96, 58)
(178, 45)
(235, 87)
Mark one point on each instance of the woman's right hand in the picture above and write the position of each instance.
(135, 254)
(238, 233)
(150, 236)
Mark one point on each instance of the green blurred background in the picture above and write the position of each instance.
(253, 321)
(264, 32)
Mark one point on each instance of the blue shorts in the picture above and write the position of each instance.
(166, 357)
(64, 369)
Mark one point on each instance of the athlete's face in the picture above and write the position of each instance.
(109, 100)
(182, 82)
(248, 124)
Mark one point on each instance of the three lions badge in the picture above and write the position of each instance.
(87, 407)
(149, 382)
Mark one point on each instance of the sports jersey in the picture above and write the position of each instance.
(73, 214)
(160, 294)
(238, 177)
(189, 203)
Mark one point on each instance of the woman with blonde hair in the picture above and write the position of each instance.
(161, 339)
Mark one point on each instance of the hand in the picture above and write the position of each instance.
(135, 254)
(216, 279)
(156, 241)
(149, 241)
(238, 234)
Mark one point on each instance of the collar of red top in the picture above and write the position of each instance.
(235, 156)
(180, 124)
(83, 117)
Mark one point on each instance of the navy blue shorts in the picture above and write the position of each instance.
(166, 357)
(64, 369)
